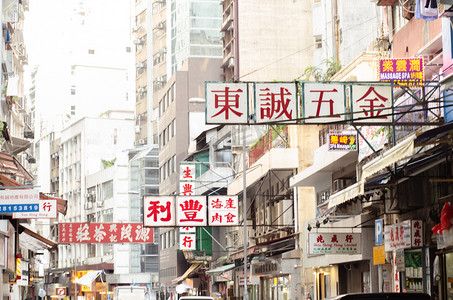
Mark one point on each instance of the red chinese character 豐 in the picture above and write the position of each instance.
(155, 208)
(190, 209)
(321, 100)
(372, 109)
(275, 103)
(228, 101)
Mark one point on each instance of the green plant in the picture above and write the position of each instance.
(332, 66)
(108, 163)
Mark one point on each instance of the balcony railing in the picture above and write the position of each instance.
(268, 141)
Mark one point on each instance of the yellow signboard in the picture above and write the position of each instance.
(379, 255)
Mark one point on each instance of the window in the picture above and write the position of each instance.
(128, 49)
(73, 90)
(318, 41)
(107, 190)
(90, 51)
(72, 110)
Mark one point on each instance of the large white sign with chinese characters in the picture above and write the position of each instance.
(159, 211)
(191, 211)
(228, 103)
(334, 243)
(188, 241)
(277, 102)
(397, 236)
(223, 210)
(47, 210)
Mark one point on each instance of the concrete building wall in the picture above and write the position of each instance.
(275, 39)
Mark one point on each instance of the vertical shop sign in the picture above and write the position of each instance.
(187, 179)
(417, 233)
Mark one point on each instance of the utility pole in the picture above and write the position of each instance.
(244, 206)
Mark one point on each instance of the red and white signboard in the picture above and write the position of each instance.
(372, 104)
(275, 102)
(223, 210)
(104, 233)
(187, 241)
(47, 210)
(397, 236)
(186, 172)
(226, 103)
(183, 230)
(417, 233)
(186, 188)
(324, 102)
(191, 211)
(159, 211)
(61, 291)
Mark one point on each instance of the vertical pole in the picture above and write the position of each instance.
(244, 207)
(75, 271)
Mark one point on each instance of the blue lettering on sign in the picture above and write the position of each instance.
(379, 232)
(18, 207)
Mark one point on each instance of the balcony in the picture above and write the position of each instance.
(269, 140)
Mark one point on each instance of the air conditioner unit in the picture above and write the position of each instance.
(134, 28)
(100, 203)
(139, 65)
(86, 195)
(138, 42)
(163, 50)
(141, 90)
(160, 26)
(137, 128)
(69, 193)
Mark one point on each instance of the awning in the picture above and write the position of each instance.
(220, 270)
(191, 269)
(346, 194)
(398, 152)
(32, 241)
(88, 278)
(434, 136)
(16, 145)
(11, 166)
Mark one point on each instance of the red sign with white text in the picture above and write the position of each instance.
(104, 233)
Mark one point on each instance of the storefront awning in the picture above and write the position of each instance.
(346, 194)
(191, 269)
(32, 241)
(88, 278)
(395, 154)
(220, 270)
(434, 136)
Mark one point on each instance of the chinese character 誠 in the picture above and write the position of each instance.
(191, 208)
(155, 209)
(321, 100)
(373, 110)
(273, 103)
(228, 101)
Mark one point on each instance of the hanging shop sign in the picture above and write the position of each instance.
(402, 71)
(334, 243)
(19, 200)
(223, 210)
(417, 233)
(277, 102)
(190, 211)
(187, 238)
(186, 179)
(346, 141)
(47, 210)
(397, 236)
(111, 233)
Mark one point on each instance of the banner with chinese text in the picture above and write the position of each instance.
(334, 243)
(278, 102)
(104, 233)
